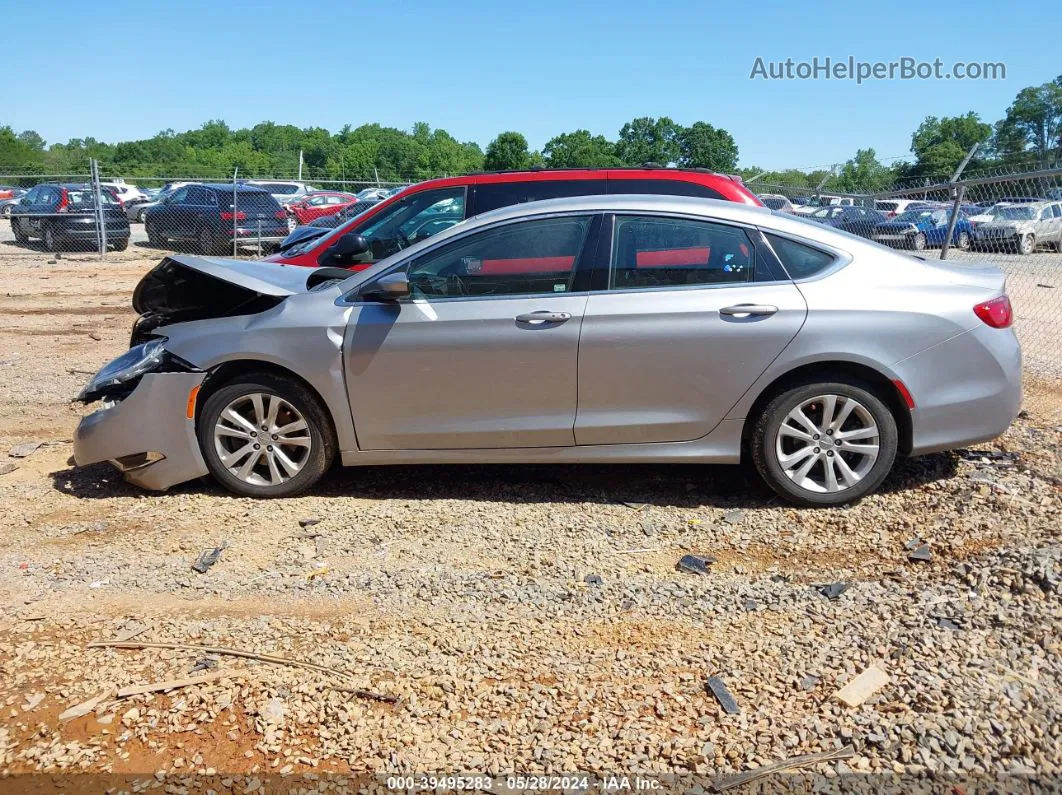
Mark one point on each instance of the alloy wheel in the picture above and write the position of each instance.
(828, 443)
(262, 439)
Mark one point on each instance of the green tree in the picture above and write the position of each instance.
(940, 144)
(580, 149)
(649, 140)
(864, 174)
(1033, 122)
(703, 146)
(507, 152)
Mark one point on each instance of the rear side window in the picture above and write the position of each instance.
(799, 260)
(652, 251)
(663, 187)
(505, 194)
(253, 202)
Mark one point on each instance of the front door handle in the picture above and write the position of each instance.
(541, 318)
(748, 310)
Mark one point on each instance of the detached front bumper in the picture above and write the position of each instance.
(151, 422)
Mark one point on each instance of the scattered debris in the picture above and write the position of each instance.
(274, 711)
(7, 467)
(85, 707)
(695, 564)
(32, 700)
(309, 522)
(94, 336)
(920, 553)
(638, 551)
(172, 684)
(637, 506)
(809, 682)
(25, 449)
(750, 605)
(717, 688)
(1045, 286)
(592, 579)
(319, 570)
(734, 517)
(786, 764)
(131, 631)
(319, 546)
(947, 623)
(208, 558)
(95, 584)
(247, 655)
(833, 589)
(204, 664)
(863, 686)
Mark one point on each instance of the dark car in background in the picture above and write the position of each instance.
(63, 216)
(212, 216)
(857, 220)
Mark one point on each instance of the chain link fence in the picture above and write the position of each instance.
(1013, 221)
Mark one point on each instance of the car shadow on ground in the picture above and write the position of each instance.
(670, 485)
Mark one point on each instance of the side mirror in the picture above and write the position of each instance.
(348, 249)
(388, 288)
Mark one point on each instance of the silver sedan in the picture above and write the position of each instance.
(594, 329)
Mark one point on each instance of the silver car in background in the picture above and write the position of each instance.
(1021, 227)
(595, 329)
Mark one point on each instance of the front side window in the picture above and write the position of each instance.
(668, 252)
(524, 258)
(412, 219)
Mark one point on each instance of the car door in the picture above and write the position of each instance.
(45, 205)
(170, 220)
(693, 313)
(483, 354)
(21, 211)
(1056, 220)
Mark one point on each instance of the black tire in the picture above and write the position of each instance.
(918, 242)
(964, 243)
(142, 216)
(16, 229)
(763, 442)
(319, 424)
(49, 240)
(207, 243)
(1026, 244)
(121, 244)
(155, 240)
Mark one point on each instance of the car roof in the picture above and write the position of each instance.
(228, 187)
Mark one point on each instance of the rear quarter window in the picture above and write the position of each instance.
(799, 260)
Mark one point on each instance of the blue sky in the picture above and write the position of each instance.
(477, 68)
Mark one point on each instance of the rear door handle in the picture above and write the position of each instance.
(541, 318)
(748, 310)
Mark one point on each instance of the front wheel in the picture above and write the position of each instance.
(824, 444)
(1027, 245)
(918, 242)
(16, 229)
(266, 436)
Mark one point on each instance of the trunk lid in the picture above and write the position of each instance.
(987, 277)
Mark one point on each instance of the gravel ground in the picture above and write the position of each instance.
(526, 619)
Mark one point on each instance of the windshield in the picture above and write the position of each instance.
(1014, 213)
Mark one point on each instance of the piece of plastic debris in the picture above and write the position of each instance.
(208, 558)
(734, 517)
(809, 682)
(637, 506)
(695, 564)
(921, 553)
(98, 584)
(204, 664)
(718, 689)
(308, 522)
(592, 579)
(750, 605)
(833, 589)
(947, 623)
(24, 449)
(863, 686)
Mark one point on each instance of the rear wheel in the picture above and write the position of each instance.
(207, 242)
(825, 443)
(265, 436)
(964, 241)
(155, 240)
(121, 244)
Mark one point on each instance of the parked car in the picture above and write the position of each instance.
(394, 223)
(890, 208)
(283, 192)
(811, 203)
(377, 194)
(320, 205)
(776, 201)
(7, 192)
(63, 215)
(11, 201)
(124, 192)
(138, 212)
(857, 220)
(922, 229)
(213, 215)
(320, 226)
(587, 329)
(1021, 227)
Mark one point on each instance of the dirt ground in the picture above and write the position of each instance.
(507, 619)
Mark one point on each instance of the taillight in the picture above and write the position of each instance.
(996, 313)
(239, 216)
(64, 201)
(282, 214)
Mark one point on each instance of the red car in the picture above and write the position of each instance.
(320, 204)
(427, 208)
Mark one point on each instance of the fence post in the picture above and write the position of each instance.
(98, 211)
(235, 226)
(952, 221)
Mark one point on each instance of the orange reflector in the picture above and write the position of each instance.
(905, 393)
(191, 401)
